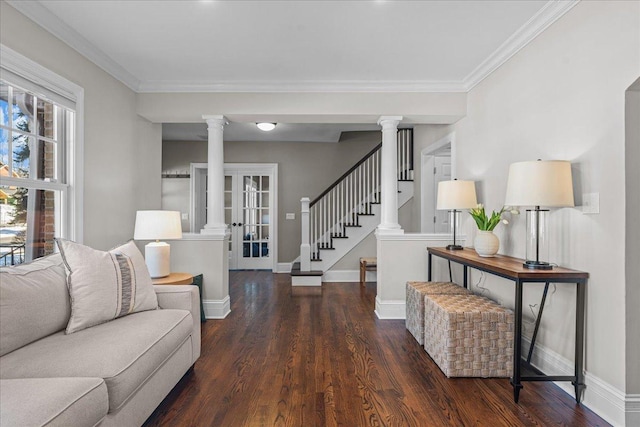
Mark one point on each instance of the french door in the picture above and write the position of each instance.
(250, 212)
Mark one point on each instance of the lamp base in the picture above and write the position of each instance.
(454, 247)
(537, 265)
(157, 256)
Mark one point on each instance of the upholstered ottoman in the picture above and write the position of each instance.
(469, 336)
(416, 291)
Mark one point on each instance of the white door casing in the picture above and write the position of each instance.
(434, 160)
(250, 201)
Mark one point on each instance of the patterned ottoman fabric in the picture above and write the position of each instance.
(415, 303)
(469, 336)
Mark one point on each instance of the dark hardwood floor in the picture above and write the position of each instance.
(283, 360)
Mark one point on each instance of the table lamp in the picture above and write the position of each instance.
(539, 184)
(454, 195)
(158, 225)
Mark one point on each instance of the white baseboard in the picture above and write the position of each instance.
(390, 309)
(601, 397)
(217, 309)
(283, 267)
(632, 410)
(347, 276)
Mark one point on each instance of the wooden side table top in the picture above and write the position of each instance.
(174, 279)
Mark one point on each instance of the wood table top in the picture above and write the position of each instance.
(174, 279)
(505, 266)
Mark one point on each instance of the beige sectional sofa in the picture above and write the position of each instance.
(112, 374)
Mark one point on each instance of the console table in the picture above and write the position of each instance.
(512, 268)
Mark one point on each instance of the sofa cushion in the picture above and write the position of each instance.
(105, 285)
(124, 352)
(34, 302)
(52, 402)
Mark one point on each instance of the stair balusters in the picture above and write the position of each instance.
(339, 206)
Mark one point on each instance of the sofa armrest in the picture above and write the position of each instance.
(183, 297)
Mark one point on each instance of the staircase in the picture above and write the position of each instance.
(348, 211)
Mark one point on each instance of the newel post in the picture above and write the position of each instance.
(305, 247)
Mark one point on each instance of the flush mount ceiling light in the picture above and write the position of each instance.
(266, 126)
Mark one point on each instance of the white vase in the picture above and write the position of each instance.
(486, 243)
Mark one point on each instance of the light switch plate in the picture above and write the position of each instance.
(291, 216)
(591, 203)
(185, 216)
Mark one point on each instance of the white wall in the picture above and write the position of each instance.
(562, 97)
(121, 149)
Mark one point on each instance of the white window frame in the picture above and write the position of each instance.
(16, 69)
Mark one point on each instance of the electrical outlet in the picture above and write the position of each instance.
(185, 216)
(591, 203)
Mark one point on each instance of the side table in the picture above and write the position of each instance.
(183, 279)
(174, 279)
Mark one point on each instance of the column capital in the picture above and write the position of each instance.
(386, 121)
(215, 121)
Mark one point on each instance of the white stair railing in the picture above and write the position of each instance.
(338, 207)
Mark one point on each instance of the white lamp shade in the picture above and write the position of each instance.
(540, 183)
(157, 225)
(456, 195)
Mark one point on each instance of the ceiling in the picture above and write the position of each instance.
(295, 46)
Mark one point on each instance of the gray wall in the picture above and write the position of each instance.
(304, 169)
(121, 149)
(632, 245)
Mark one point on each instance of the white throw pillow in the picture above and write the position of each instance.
(105, 285)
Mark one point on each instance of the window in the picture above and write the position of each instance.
(38, 148)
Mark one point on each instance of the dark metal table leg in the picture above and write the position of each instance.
(535, 329)
(517, 338)
(580, 302)
(429, 267)
(464, 272)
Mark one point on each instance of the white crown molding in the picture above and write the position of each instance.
(301, 86)
(38, 13)
(547, 15)
(550, 13)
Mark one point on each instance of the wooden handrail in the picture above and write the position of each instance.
(344, 175)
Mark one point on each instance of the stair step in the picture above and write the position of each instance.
(339, 237)
(405, 180)
(366, 214)
(306, 273)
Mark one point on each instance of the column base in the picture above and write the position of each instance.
(389, 229)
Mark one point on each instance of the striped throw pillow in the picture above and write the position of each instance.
(105, 285)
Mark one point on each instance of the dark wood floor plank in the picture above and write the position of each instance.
(298, 360)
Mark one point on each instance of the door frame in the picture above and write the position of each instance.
(197, 178)
(427, 163)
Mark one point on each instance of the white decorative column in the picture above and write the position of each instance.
(215, 177)
(389, 176)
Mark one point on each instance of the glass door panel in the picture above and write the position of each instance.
(255, 214)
